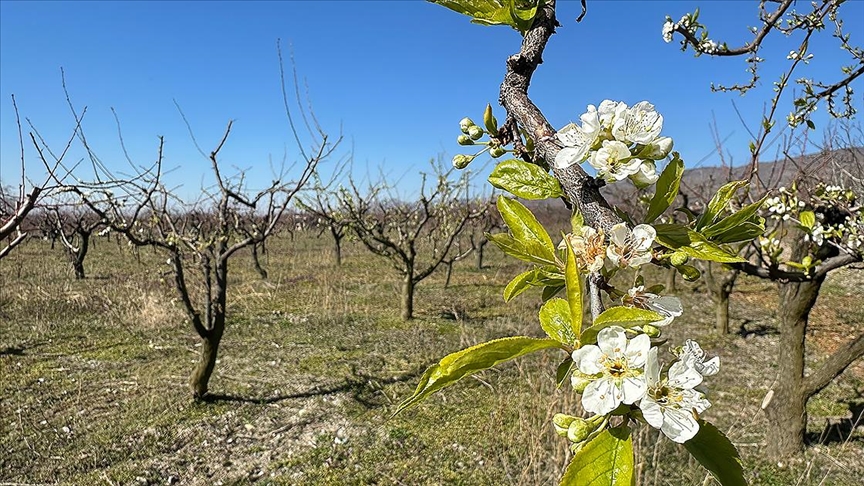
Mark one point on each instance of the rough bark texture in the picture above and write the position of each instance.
(720, 285)
(478, 254)
(337, 246)
(257, 263)
(786, 412)
(200, 378)
(407, 297)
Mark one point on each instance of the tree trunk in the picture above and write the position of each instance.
(407, 297)
(449, 274)
(721, 312)
(786, 411)
(337, 248)
(478, 255)
(257, 263)
(670, 280)
(206, 362)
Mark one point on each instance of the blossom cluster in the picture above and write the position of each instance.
(618, 370)
(848, 232)
(618, 141)
(626, 247)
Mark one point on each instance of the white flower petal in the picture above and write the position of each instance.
(643, 236)
(652, 369)
(683, 375)
(652, 412)
(633, 388)
(619, 233)
(612, 341)
(588, 359)
(601, 397)
(710, 367)
(637, 351)
(679, 425)
(569, 156)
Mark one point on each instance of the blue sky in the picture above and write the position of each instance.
(397, 76)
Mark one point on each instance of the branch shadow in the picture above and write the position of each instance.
(365, 390)
(840, 430)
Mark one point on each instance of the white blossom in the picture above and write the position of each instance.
(577, 142)
(670, 402)
(639, 124)
(657, 149)
(668, 30)
(630, 248)
(615, 366)
(667, 306)
(589, 248)
(691, 349)
(646, 175)
(613, 161)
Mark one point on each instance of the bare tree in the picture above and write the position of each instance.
(323, 204)
(73, 224)
(416, 236)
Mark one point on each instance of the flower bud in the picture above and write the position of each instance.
(460, 161)
(678, 258)
(466, 124)
(579, 381)
(475, 132)
(562, 422)
(464, 140)
(650, 330)
(490, 121)
(579, 430)
(497, 151)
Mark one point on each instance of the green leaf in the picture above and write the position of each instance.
(556, 319)
(666, 189)
(460, 364)
(718, 203)
(562, 371)
(525, 180)
(517, 249)
(526, 229)
(573, 281)
(717, 454)
(683, 239)
(689, 272)
(807, 219)
(576, 220)
(493, 12)
(550, 291)
(733, 221)
(618, 316)
(607, 460)
(520, 284)
(745, 231)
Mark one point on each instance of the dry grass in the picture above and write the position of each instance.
(93, 378)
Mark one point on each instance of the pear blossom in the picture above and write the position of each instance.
(639, 124)
(589, 248)
(691, 349)
(630, 248)
(667, 306)
(609, 112)
(616, 366)
(670, 402)
(658, 149)
(577, 142)
(613, 161)
(646, 175)
(668, 30)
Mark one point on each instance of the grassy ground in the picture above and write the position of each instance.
(93, 378)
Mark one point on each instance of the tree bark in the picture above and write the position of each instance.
(407, 297)
(200, 378)
(670, 280)
(721, 312)
(786, 411)
(255, 261)
(478, 254)
(337, 247)
(720, 288)
(449, 274)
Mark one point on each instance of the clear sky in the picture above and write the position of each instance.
(397, 76)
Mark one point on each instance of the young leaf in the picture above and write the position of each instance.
(460, 364)
(556, 319)
(666, 189)
(573, 281)
(607, 460)
(683, 239)
(493, 12)
(526, 229)
(745, 231)
(551, 291)
(808, 219)
(518, 249)
(718, 203)
(717, 454)
(618, 316)
(520, 284)
(733, 221)
(525, 180)
(562, 371)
